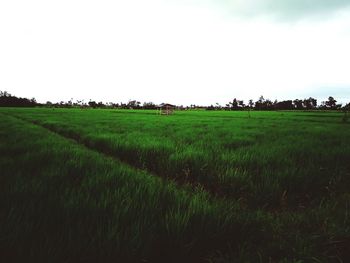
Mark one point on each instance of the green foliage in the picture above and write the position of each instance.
(101, 185)
(345, 116)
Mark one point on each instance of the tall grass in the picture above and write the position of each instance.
(63, 202)
(195, 186)
(256, 158)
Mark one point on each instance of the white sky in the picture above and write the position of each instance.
(181, 52)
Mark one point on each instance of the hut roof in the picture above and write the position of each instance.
(167, 105)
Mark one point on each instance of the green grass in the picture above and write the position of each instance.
(130, 186)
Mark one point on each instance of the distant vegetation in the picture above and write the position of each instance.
(8, 100)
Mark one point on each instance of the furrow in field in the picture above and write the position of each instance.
(254, 162)
(187, 167)
(62, 202)
(215, 173)
(87, 202)
(211, 189)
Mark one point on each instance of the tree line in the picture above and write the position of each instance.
(8, 100)
(267, 104)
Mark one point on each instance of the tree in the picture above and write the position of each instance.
(298, 104)
(250, 106)
(310, 103)
(264, 104)
(149, 106)
(5, 94)
(268, 104)
(250, 103)
(92, 104)
(7, 100)
(101, 104)
(211, 107)
(134, 104)
(347, 107)
(234, 104)
(259, 105)
(331, 103)
(284, 105)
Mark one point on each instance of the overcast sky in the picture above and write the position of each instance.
(177, 51)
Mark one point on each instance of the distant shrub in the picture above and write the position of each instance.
(7, 100)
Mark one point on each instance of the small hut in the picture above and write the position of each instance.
(166, 109)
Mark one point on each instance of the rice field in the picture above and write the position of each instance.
(103, 185)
